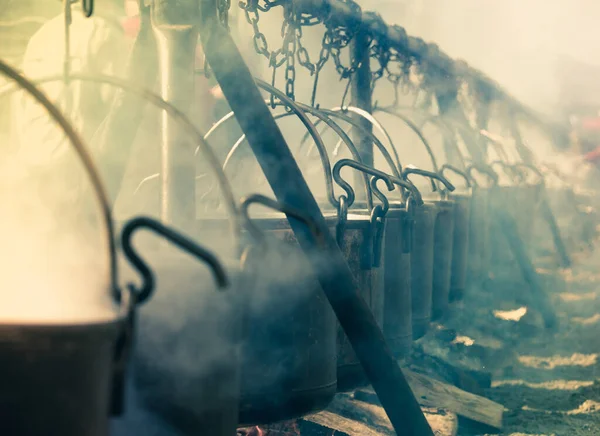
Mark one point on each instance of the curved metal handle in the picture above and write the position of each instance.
(85, 158)
(375, 123)
(416, 129)
(531, 168)
(465, 176)
(284, 208)
(350, 196)
(160, 103)
(483, 169)
(509, 170)
(414, 196)
(88, 8)
(386, 155)
(142, 294)
(431, 175)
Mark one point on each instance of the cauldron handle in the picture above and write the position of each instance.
(273, 204)
(464, 175)
(350, 195)
(143, 293)
(429, 174)
(483, 169)
(533, 169)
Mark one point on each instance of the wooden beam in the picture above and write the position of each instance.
(350, 417)
(433, 393)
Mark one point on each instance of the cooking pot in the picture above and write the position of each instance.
(356, 234)
(460, 242)
(434, 228)
(186, 364)
(396, 243)
(479, 224)
(288, 352)
(65, 376)
(510, 197)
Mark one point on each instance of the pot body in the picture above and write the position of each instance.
(357, 247)
(186, 364)
(460, 246)
(421, 267)
(288, 352)
(507, 198)
(57, 379)
(397, 315)
(479, 236)
(442, 258)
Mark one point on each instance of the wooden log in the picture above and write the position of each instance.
(433, 393)
(349, 417)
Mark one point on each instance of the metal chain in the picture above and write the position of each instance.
(324, 56)
(223, 7)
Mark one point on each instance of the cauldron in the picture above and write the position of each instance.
(460, 242)
(431, 256)
(186, 364)
(288, 352)
(480, 224)
(57, 376)
(442, 258)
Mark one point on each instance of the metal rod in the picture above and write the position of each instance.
(289, 187)
(116, 136)
(540, 298)
(559, 244)
(176, 37)
(360, 93)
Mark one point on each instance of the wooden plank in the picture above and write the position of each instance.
(340, 424)
(351, 417)
(433, 393)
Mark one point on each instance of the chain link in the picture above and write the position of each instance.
(223, 7)
(397, 67)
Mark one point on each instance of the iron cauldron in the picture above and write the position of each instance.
(288, 351)
(365, 240)
(480, 224)
(434, 228)
(57, 378)
(397, 246)
(186, 363)
(63, 365)
(460, 243)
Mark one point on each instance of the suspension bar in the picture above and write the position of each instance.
(341, 13)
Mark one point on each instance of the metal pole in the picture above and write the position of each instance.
(174, 23)
(539, 296)
(290, 188)
(360, 91)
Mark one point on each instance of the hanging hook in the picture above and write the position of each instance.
(145, 291)
(88, 8)
(351, 196)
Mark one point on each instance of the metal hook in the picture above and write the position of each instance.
(360, 167)
(275, 205)
(385, 204)
(88, 8)
(145, 291)
(431, 175)
(448, 167)
(508, 169)
(483, 169)
(531, 168)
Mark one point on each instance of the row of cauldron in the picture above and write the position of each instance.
(253, 340)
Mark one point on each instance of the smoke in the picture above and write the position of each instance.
(53, 261)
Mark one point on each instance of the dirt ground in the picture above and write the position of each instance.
(548, 381)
